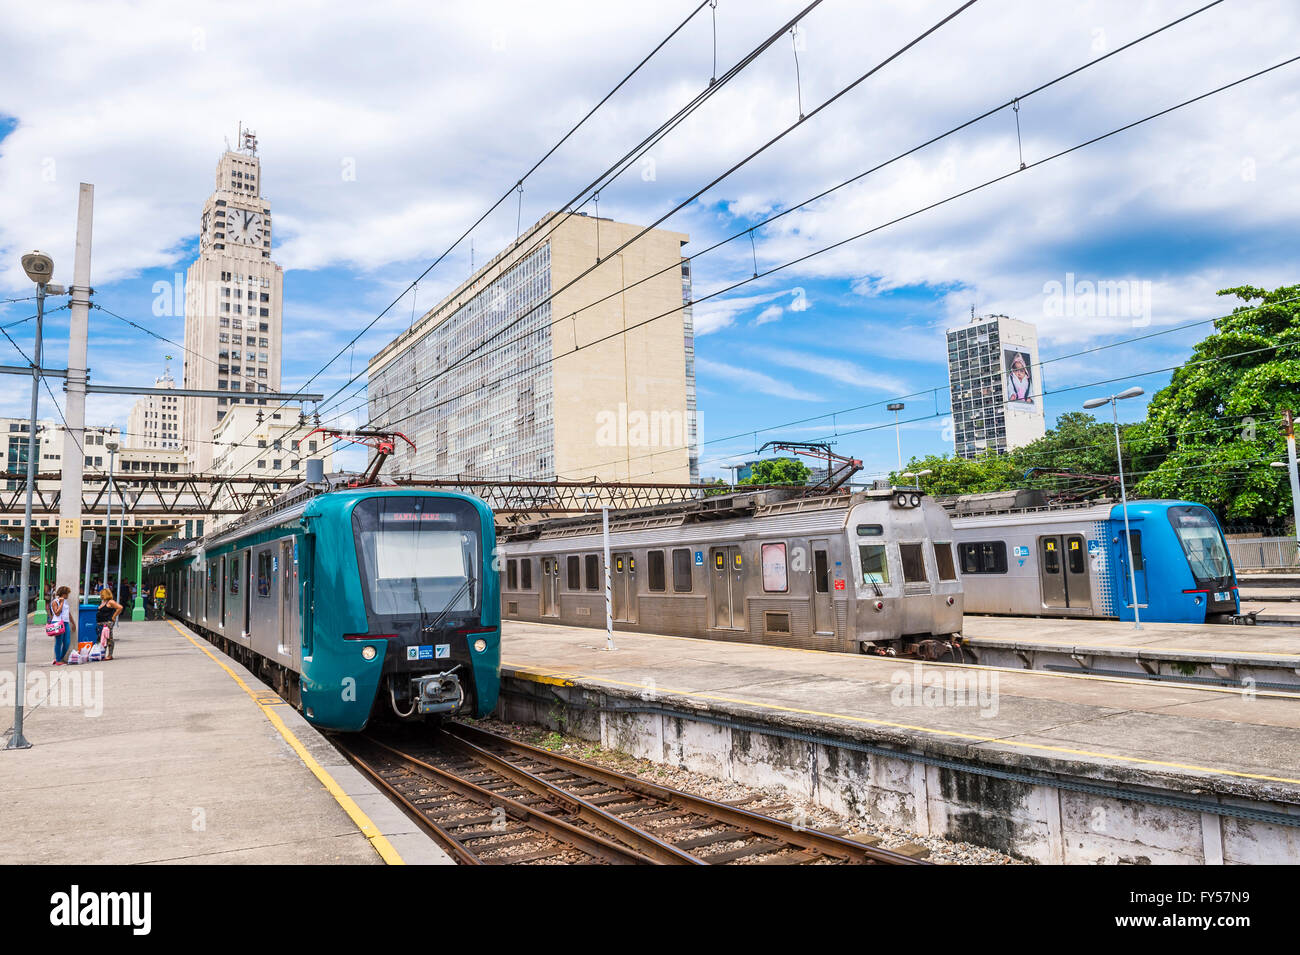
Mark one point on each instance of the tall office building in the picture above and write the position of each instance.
(233, 302)
(996, 383)
(155, 421)
(500, 381)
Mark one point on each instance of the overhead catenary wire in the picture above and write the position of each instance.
(473, 353)
(614, 170)
(987, 183)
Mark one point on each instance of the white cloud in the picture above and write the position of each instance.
(750, 380)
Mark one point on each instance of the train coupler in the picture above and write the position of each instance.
(438, 692)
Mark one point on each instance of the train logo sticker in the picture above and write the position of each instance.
(1094, 548)
(839, 583)
(699, 558)
(1022, 552)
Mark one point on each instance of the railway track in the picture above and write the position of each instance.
(489, 799)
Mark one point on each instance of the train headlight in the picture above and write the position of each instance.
(480, 644)
(900, 499)
(914, 500)
(368, 652)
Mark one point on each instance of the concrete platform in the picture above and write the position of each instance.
(1024, 761)
(1217, 654)
(173, 753)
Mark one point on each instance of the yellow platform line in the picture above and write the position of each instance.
(870, 721)
(265, 701)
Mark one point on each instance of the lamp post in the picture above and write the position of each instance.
(896, 407)
(39, 267)
(1123, 492)
(609, 586)
(108, 520)
(917, 475)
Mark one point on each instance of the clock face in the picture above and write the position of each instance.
(243, 225)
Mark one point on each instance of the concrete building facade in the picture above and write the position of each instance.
(513, 375)
(233, 303)
(271, 442)
(155, 420)
(996, 384)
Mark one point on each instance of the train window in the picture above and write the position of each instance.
(512, 574)
(871, 530)
(264, 574)
(234, 575)
(592, 571)
(943, 560)
(574, 573)
(913, 563)
(821, 572)
(1051, 557)
(212, 581)
(984, 557)
(526, 573)
(1135, 542)
(658, 576)
(775, 578)
(1074, 554)
(682, 571)
(875, 567)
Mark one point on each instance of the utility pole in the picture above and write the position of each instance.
(68, 568)
(609, 588)
(1288, 429)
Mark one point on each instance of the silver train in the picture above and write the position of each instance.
(848, 572)
(1019, 556)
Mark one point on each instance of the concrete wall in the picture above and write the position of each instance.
(1035, 821)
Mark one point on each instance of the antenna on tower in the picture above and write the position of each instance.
(972, 312)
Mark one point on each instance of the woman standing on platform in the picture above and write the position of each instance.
(61, 612)
(107, 614)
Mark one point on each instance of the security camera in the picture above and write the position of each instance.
(38, 266)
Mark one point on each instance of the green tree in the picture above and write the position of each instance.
(1215, 427)
(956, 475)
(778, 471)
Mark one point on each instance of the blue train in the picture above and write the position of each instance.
(1020, 557)
(353, 603)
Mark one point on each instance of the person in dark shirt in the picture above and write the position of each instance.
(107, 614)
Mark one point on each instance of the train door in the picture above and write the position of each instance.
(288, 599)
(221, 585)
(248, 594)
(823, 609)
(624, 585)
(1063, 572)
(1139, 567)
(550, 586)
(728, 588)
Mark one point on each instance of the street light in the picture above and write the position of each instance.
(917, 475)
(1290, 466)
(108, 520)
(896, 407)
(1119, 457)
(609, 585)
(39, 267)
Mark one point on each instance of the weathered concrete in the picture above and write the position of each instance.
(1217, 653)
(1045, 766)
(171, 761)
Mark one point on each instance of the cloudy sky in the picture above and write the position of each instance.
(386, 130)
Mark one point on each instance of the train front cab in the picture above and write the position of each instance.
(386, 567)
(1181, 567)
(902, 552)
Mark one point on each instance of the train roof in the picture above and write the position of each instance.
(1107, 509)
(769, 503)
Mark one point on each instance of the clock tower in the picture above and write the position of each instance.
(233, 302)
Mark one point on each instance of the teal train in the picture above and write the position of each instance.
(352, 604)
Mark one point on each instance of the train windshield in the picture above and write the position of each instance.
(418, 555)
(1202, 542)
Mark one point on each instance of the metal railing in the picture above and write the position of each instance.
(1264, 553)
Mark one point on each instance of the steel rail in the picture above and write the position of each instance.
(822, 843)
(591, 844)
